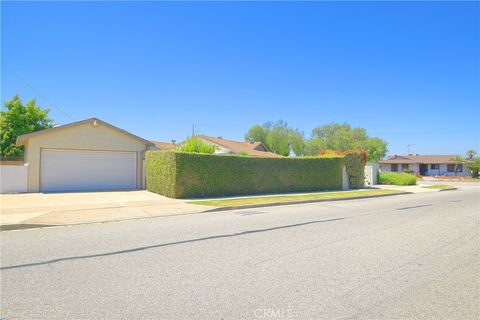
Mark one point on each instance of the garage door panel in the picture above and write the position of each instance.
(73, 170)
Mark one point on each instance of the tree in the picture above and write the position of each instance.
(297, 142)
(314, 146)
(471, 154)
(256, 133)
(278, 137)
(458, 160)
(20, 119)
(341, 137)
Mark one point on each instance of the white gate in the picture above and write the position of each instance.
(371, 173)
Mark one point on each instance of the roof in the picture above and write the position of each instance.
(163, 145)
(255, 149)
(24, 137)
(423, 159)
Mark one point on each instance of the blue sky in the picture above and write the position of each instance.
(407, 72)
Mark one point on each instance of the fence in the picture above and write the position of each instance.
(13, 176)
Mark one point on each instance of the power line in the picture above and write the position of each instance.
(37, 92)
(423, 132)
(219, 127)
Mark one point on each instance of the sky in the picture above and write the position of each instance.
(406, 72)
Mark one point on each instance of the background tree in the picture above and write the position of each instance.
(471, 154)
(297, 142)
(20, 119)
(341, 137)
(458, 160)
(257, 133)
(278, 137)
(313, 146)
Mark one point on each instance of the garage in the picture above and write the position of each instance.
(83, 170)
(87, 155)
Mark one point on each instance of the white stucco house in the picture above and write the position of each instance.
(425, 165)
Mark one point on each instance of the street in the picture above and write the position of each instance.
(401, 257)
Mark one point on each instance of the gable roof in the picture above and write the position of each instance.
(256, 149)
(24, 137)
(423, 159)
(163, 145)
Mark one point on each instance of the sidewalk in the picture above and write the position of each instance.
(37, 209)
(412, 189)
(30, 210)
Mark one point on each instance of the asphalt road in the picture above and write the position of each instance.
(402, 257)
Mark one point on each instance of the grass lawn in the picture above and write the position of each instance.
(440, 186)
(289, 198)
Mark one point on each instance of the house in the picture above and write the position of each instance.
(87, 155)
(93, 155)
(160, 145)
(224, 146)
(425, 165)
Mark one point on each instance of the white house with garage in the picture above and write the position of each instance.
(88, 155)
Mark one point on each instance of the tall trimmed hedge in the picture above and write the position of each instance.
(191, 175)
(355, 166)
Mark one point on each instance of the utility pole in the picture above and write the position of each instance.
(193, 129)
(408, 148)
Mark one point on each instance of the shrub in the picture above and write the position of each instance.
(242, 154)
(355, 161)
(410, 171)
(395, 178)
(188, 175)
(196, 144)
(475, 168)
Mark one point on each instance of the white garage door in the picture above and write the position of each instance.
(73, 170)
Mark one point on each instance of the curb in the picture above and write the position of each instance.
(449, 189)
(12, 227)
(22, 226)
(286, 203)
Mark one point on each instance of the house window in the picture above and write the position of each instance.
(450, 168)
(405, 166)
(460, 168)
(394, 167)
(435, 166)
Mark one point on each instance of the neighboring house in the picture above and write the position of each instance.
(425, 165)
(224, 146)
(160, 145)
(87, 155)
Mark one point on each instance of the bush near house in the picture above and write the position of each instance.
(190, 175)
(196, 144)
(395, 178)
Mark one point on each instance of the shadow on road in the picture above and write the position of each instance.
(33, 264)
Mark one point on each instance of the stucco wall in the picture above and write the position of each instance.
(81, 137)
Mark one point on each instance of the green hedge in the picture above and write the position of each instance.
(190, 175)
(395, 178)
(355, 166)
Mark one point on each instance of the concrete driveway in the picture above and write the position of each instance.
(84, 207)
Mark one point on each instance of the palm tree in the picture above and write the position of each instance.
(471, 154)
(458, 160)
